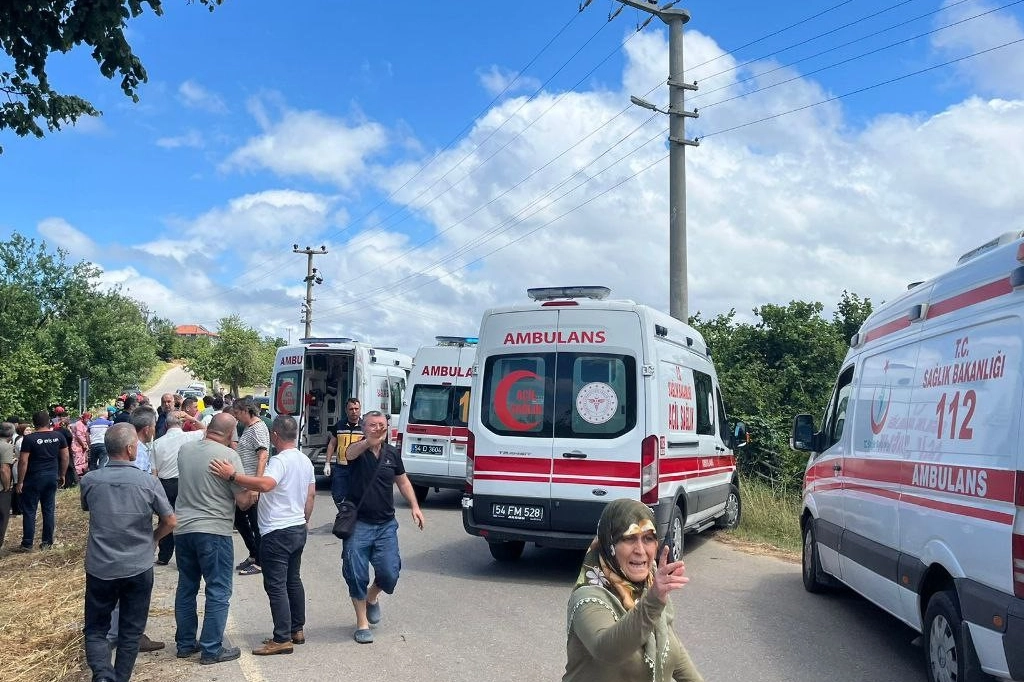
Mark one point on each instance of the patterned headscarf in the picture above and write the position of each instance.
(621, 518)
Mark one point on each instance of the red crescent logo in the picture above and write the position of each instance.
(285, 398)
(878, 424)
(501, 400)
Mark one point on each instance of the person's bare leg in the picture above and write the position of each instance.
(360, 606)
(371, 596)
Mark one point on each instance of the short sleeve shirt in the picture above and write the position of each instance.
(43, 448)
(121, 501)
(373, 487)
(254, 437)
(206, 503)
(346, 434)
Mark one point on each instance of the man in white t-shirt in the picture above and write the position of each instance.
(288, 489)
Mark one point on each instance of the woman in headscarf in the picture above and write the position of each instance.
(620, 614)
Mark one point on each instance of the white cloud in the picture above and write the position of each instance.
(497, 80)
(1000, 72)
(309, 143)
(193, 138)
(62, 234)
(195, 96)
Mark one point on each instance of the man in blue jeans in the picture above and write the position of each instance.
(375, 467)
(202, 541)
(121, 501)
(288, 490)
(41, 466)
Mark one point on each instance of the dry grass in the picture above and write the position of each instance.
(44, 599)
(770, 523)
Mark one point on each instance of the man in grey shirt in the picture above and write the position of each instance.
(121, 501)
(202, 541)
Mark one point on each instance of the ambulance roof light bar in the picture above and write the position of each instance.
(456, 340)
(1004, 238)
(551, 293)
(325, 339)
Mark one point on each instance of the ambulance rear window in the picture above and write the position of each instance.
(286, 392)
(568, 395)
(439, 405)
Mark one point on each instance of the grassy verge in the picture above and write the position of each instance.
(155, 373)
(770, 520)
(44, 599)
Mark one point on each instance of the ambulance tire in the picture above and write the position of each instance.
(815, 579)
(733, 510)
(421, 492)
(948, 650)
(506, 551)
(676, 532)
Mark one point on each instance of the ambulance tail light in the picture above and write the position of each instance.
(649, 470)
(398, 440)
(1018, 566)
(470, 454)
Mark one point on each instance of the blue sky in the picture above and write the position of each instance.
(380, 135)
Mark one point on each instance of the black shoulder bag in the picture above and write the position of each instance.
(345, 521)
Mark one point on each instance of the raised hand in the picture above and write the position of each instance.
(668, 576)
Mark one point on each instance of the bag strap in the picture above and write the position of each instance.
(380, 460)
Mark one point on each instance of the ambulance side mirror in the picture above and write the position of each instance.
(802, 438)
(740, 437)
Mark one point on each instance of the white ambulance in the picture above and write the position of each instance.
(312, 380)
(914, 486)
(578, 401)
(433, 429)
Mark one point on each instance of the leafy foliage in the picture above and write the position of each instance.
(239, 357)
(31, 32)
(778, 367)
(56, 325)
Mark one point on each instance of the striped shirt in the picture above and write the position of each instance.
(255, 437)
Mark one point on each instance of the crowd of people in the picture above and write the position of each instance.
(207, 471)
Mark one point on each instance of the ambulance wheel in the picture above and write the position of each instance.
(949, 652)
(506, 551)
(676, 534)
(815, 580)
(733, 508)
(421, 492)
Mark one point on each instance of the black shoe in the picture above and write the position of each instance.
(161, 562)
(185, 653)
(227, 653)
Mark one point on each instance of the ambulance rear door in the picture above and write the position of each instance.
(596, 412)
(513, 448)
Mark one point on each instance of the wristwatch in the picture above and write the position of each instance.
(231, 478)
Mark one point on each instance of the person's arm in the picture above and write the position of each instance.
(22, 469)
(164, 527)
(356, 450)
(332, 453)
(226, 471)
(610, 641)
(5, 477)
(310, 499)
(261, 465)
(245, 498)
(405, 487)
(63, 465)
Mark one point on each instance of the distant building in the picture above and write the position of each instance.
(194, 331)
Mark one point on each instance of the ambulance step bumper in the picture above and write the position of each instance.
(543, 538)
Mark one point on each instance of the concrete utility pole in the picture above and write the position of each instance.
(312, 277)
(678, 291)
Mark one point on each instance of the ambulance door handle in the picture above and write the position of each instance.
(574, 455)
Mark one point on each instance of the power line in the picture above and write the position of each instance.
(704, 93)
(242, 282)
(515, 219)
(864, 89)
(811, 39)
(860, 56)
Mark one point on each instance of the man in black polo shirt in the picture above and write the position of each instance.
(375, 466)
(41, 466)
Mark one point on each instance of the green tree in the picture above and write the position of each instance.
(57, 325)
(31, 32)
(239, 357)
(781, 365)
(168, 343)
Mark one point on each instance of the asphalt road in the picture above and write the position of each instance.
(458, 615)
(171, 381)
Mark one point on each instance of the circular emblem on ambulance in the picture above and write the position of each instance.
(596, 402)
(287, 398)
(880, 409)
